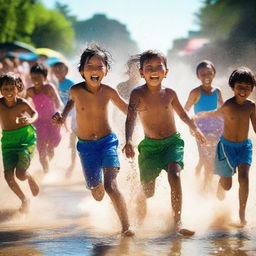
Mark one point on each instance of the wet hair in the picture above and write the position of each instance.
(94, 49)
(242, 75)
(140, 59)
(205, 64)
(39, 68)
(12, 79)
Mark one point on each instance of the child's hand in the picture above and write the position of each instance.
(128, 150)
(57, 119)
(199, 136)
(195, 117)
(23, 119)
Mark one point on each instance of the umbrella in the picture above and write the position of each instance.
(49, 53)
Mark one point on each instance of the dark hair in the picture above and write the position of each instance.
(242, 75)
(59, 63)
(205, 64)
(12, 79)
(146, 56)
(92, 50)
(39, 68)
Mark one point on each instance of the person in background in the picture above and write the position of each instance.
(18, 136)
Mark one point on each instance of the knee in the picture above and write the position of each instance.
(149, 192)
(98, 195)
(110, 187)
(173, 176)
(243, 178)
(9, 177)
(226, 186)
(21, 175)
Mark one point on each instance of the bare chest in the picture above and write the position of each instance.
(155, 103)
(87, 102)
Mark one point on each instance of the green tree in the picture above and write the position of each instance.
(16, 20)
(52, 30)
(231, 26)
(65, 10)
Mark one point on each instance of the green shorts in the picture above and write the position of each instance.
(18, 147)
(155, 155)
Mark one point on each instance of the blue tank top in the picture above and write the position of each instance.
(207, 102)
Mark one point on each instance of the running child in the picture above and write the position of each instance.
(125, 88)
(234, 150)
(18, 136)
(206, 98)
(46, 101)
(97, 144)
(60, 70)
(162, 147)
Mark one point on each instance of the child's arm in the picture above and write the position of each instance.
(192, 99)
(24, 118)
(130, 124)
(253, 117)
(33, 114)
(186, 119)
(220, 99)
(118, 101)
(55, 96)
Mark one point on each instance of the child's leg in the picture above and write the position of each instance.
(147, 191)
(98, 192)
(42, 150)
(73, 154)
(199, 167)
(243, 171)
(176, 191)
(22, 174)
(176, 197)
(110, 184)
(225, 184)
(9, 177)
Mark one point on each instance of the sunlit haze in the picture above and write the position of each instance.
(152, 24)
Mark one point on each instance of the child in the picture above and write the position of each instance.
(234, 149)
(162, 147)
(97, 144)
(60, 70)
(46, 101)
(125, 88)
(18, 136)
(206, 98)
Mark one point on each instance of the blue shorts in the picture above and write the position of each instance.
(97, 154)
(230, 154)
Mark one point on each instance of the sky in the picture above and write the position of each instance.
(152, 24)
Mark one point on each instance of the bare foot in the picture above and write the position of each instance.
(220, 193)
(186, 232)
(98, 192)
(243, 222)
(141, 208)
(183, 231)
(24, 208)
(33, 186)
(128, 233)
(238, 225)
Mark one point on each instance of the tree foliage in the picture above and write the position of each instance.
(52, 30)
(231, 26)
(29, 21)
(16, 20)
